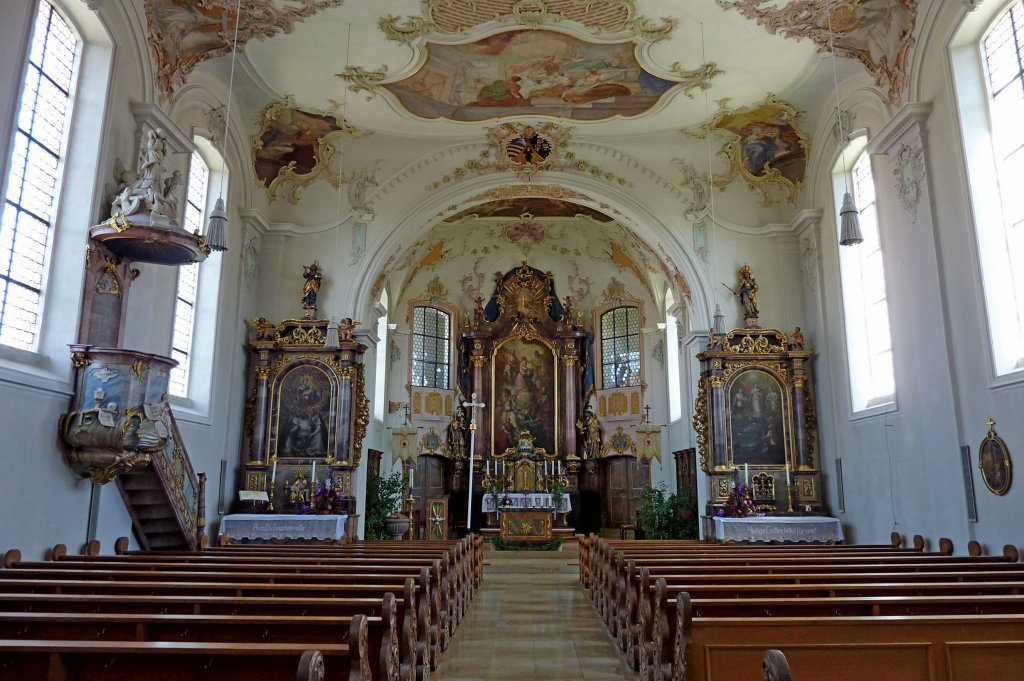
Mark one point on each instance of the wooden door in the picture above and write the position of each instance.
(624, 483)
(430, 482)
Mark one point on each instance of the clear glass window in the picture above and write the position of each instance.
(32, 182)
(431, 347)
(196, 196)
(620, 347)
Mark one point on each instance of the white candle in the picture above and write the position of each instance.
(312, 476)
(273, 474)
(559, 466)
(488, 466)
(746, 474)
(412, 472)
(788, 482)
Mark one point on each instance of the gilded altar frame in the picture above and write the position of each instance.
(305, 403)
(755, 414)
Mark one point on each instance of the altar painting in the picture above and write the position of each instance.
(756, 419)
(530, 72)
(303, 414)
(524, 397)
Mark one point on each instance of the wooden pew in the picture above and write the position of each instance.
(68, 660)
(382, 632)
(432, 618)
(911, 648)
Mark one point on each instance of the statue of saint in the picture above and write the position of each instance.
(747, 293)
(314, 277)
(457, 434)
(590, 434)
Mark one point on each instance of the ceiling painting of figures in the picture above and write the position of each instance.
(530, 72)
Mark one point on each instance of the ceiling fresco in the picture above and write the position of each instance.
(464, 253)
(530, 72)
(183, 34)
(293, 147)
(764, 146)
(877, 33)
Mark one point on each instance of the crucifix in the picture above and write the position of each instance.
(472, 406)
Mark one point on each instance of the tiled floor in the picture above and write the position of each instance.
(532, 620)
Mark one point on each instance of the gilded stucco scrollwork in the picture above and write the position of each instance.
(455, 17)
(696, 79)
(877, 33)
(363, 80)
(527, 150)
(362, 420)
(700, 422)
(764, 146)
(183, 34)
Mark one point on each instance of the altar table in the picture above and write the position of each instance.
(530, 500)
(282, 527)
(819, 529)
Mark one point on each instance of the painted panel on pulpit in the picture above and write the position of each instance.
(304, 413)
(524, 394)
(756, 419)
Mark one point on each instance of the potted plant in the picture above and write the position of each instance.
(667, 516)
(383, 501)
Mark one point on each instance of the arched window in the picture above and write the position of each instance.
(865, 303)
(431, 347)
(196, 197)
(33, 179)
(620, 347)
(988, 61)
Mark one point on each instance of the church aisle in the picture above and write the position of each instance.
(532, 620)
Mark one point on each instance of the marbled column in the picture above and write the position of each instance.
(259, 435)
(570, 394)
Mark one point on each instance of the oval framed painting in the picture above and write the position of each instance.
(994, 462)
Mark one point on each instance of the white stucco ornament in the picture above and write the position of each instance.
(909, 172)
(150, 198)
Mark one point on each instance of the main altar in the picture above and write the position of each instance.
(523, 352)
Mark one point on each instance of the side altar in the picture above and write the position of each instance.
(755, 419)
(306, 409)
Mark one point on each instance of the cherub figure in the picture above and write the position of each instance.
(346, 327)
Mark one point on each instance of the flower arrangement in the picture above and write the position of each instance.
(326, 499)
(740, 502)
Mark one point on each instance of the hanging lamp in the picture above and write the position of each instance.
(849, 216)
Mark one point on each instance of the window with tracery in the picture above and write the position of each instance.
(431, 347)
(620, 347)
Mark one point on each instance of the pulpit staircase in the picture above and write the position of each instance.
(157, 499)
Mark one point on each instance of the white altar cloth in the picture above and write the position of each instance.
(263, 526)
(779, 528)
(539, 500)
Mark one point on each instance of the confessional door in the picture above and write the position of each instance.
(430, 482)
(624, 480)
